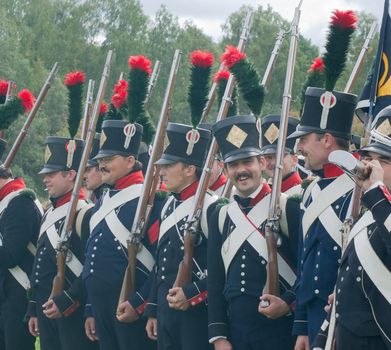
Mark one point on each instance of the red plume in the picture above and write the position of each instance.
(140, 62)
(120, 86)
(3, 87)
(222, 74)
(317, 65)
(74, 78)
(119, 98)
(344, 19)
(201, 58)
(27, 99)
(231, 56)
(103, 108)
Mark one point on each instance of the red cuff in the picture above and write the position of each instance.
(71, 309)
(385, 191)
(141, 308)
(198, 298)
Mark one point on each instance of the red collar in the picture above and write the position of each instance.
(292, 180)
(331, 170)
(221, 181)
(12, 186)
(58, 202)
(133, 178)
(263, 193)
(188, 191)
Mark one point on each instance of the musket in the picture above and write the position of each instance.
(23, 132)
(88, 109)
(272, 224)
(145, 202)
(152, 84)
(63, 244)
(360, 60)
(265, 82)
(192, 226)
(272, 60)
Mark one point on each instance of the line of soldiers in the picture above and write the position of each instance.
(224, 305)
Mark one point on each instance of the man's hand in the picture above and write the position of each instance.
(222, 344)
(33, 326)
(177, 299)
(377, 174)
(276, 309)
(89, 327)
(126, 313)
(151, 328)
(51, 310)
(302, 343)
(327, 308)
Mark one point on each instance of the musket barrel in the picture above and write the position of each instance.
(87, 108)
(360, 60)
(23, 132)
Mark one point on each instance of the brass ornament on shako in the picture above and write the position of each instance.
(129, 132)
(48, 153)
(70, 147)
(192, 137)
(103, 139)
(236, 136)
(384, 128)
(166, 142)
(271, 133)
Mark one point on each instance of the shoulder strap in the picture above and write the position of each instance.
(222, 217)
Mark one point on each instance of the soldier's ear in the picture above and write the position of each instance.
(72, 174)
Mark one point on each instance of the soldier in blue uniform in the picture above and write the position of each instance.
(322, 218)
(59, 321)
(237, 253)
(291, 180)
(177, 316)
(20, 218)
(106, 253)
(363, 289)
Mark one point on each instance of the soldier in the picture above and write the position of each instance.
(291, 180)
(362, 300)
(92, 175)
(20, 217)
(321, 219)
(237, 251)
(59, 320)
(177, 315)
(110, 225)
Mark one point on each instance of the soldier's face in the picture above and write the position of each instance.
(288, 163)
(217, 169)
(246, 174)
(177, 176)
(115, 167)
(59, 183)
(315, 151)
(385, 163)
(92, 178)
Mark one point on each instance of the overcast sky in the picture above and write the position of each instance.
(209, 15)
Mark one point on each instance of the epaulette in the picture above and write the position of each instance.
(306, 182)
(296, 197)
(161, 195)
(28, 193)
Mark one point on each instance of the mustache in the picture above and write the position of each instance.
(244, 173)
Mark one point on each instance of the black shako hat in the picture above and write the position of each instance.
(178, 147)
(270, 130)
(338, 120)
(94, 151)
(62, 154)
(238, 137)
(380, 141)
(119, 137)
